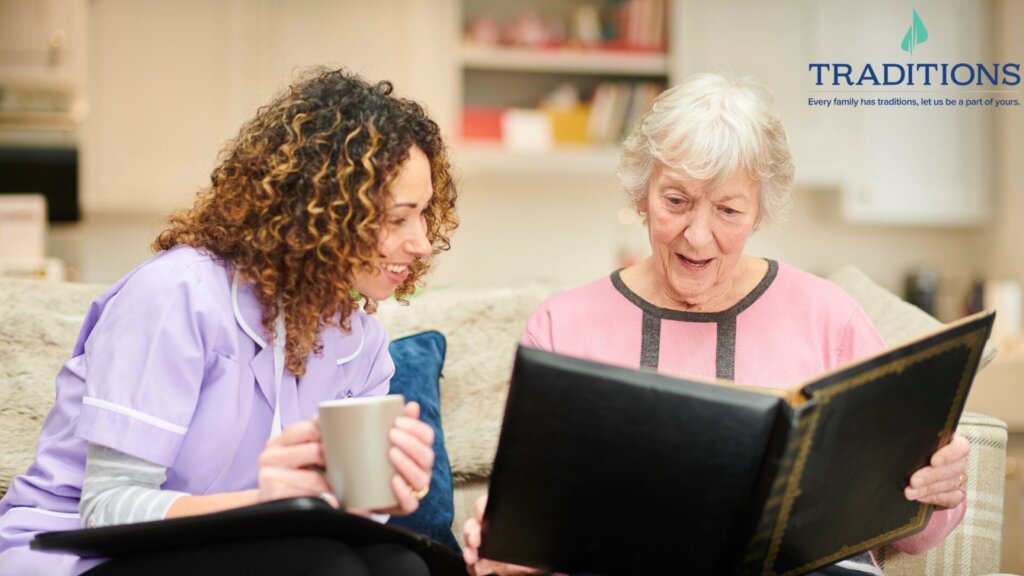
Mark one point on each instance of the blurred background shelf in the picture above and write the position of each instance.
(606, 62)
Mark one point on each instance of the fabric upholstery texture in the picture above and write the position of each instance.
(39, 322)
(419, 359)
(895, 319)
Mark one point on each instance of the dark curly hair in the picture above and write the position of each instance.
(299, 196)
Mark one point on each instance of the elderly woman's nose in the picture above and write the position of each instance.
(698, 229)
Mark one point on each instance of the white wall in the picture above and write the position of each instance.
(549, 229)
(170, 82)
(1006, 253)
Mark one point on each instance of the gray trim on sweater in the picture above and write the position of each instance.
(725, 353)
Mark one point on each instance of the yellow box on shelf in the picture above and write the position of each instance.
(569, 123)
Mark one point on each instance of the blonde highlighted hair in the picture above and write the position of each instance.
(710, 128)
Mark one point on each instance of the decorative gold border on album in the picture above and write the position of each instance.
(975, 341)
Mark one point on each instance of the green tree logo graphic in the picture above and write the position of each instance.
(915, 35)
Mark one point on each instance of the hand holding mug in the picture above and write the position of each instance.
(378, 454)
(412, 455)
(290, 464)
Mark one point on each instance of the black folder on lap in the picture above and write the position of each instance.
(613, 471)
(293, 517)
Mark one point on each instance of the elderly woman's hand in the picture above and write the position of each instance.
(476, 565)
(412, 455)
(944, 481)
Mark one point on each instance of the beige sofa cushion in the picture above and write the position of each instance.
(39, 322)
(895, 319)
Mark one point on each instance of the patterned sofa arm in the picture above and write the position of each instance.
(974, 547)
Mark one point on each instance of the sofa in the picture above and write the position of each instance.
(39, 322)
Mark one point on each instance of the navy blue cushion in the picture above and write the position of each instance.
(418, 362)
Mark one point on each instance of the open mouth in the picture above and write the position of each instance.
(396, 272)
(689, 262)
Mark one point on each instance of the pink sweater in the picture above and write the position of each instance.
(790, 328)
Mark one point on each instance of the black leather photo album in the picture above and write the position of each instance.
(277, 519)
(610, 470)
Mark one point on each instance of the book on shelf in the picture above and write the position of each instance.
(613, 110)
(289, 518)
(616, 107)
(642, 23)
(613, 470)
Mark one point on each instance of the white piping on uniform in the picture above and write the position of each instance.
(46, 512)
(354, 354)
(131, 413)
(238, 313)
(279, 339)
(148, 468)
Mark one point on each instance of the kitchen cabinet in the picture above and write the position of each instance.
(42, 42)
(170, 82)
(769, 41)
(42, 66)
(923, 164)
(899, 165)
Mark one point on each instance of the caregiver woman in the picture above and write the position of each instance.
(706, 167)
(193, 380)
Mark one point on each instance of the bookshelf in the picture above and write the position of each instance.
(551, 87)
(606, 62)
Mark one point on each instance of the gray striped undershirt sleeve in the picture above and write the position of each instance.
(122, 489)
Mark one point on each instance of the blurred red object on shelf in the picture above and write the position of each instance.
(480, 123)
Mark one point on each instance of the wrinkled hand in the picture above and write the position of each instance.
(412, 455)
(476, 565)
(944, 481)
(290, 464)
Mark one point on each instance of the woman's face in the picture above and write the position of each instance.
(697, 235)
(404, 235)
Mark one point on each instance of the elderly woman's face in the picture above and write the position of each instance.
(698, 234)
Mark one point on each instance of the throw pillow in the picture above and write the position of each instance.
(418, 361)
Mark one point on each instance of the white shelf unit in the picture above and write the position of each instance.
(504, 76)
(567, 60)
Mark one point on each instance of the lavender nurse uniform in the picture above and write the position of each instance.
(173, 366)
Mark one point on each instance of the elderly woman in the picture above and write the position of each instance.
(707, 166)
(195, 377)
